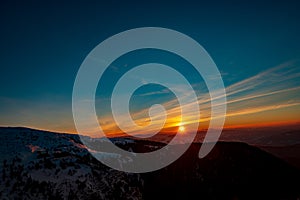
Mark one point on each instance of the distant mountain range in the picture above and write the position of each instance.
(37, 164)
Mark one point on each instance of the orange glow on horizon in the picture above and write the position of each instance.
(270, 98)
(263, 124)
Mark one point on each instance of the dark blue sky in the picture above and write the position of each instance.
(43, 43)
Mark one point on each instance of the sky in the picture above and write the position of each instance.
(254, 44)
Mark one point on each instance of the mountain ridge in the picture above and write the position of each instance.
(39, 165)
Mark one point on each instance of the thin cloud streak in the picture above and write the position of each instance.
(254, 95)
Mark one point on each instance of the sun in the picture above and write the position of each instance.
(181, 129)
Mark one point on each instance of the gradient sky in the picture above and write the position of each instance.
(255, 45)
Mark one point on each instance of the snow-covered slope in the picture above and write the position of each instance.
(37, 164)
(44, 165)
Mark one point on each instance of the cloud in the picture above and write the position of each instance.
(274, 89)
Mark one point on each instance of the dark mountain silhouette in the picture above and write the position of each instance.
(45, 165)
(231, 171)
(290, 153)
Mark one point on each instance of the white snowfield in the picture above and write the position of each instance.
(59, 166)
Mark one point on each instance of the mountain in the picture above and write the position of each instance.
(45, 165)
(290, 153)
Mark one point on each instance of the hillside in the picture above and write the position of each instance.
(44, 165)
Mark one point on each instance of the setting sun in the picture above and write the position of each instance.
(181, 128)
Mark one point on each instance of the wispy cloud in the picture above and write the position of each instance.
(271, 90)
(261, 97)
